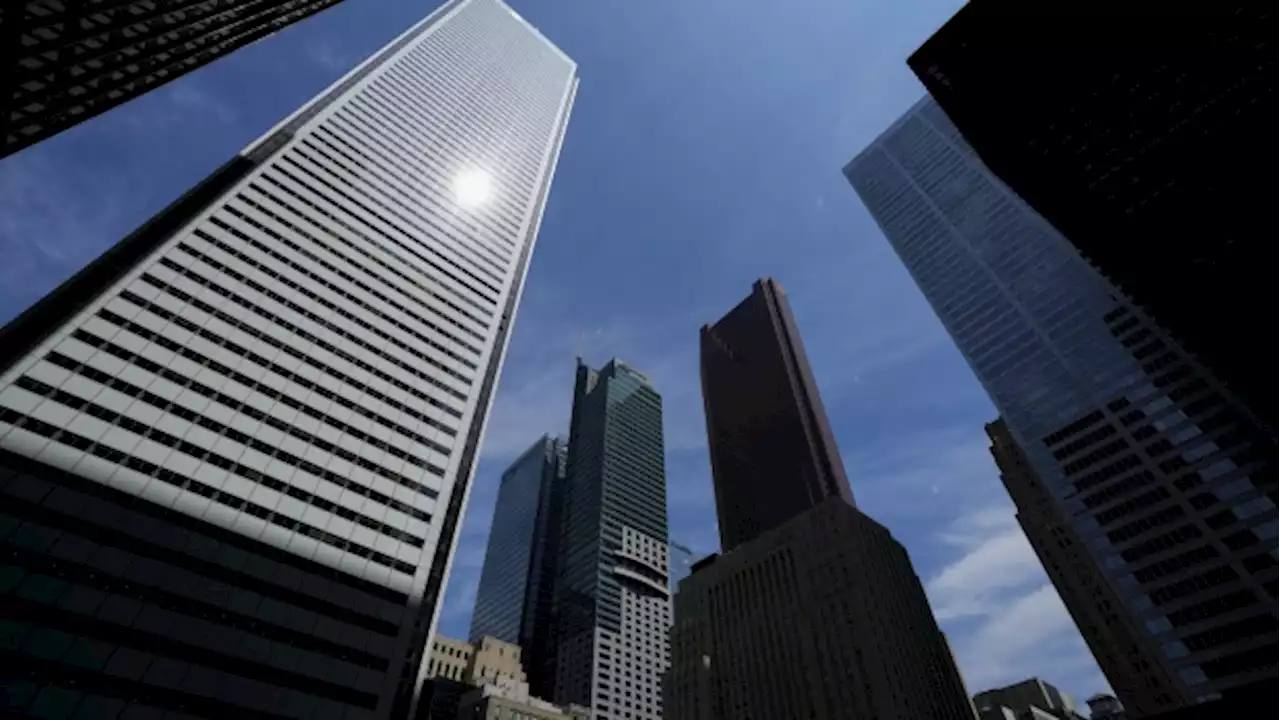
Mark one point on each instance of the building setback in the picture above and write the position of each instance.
(1159, 473)
(772, 451)
(516, 591)
(69, 61)
(235, 449)
(814, 611)
(1134, 130)
(613, 604)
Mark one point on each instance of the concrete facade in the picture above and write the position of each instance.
(822, 617)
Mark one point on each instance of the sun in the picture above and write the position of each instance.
(472, 188)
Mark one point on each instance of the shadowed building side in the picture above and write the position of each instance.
(772, 452)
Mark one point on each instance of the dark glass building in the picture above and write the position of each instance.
(1140, 131)
(514, 598)
(1161, 475)
(67, 61)
(772, 452)
(613, 605)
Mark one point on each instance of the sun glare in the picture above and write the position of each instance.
(472, 188)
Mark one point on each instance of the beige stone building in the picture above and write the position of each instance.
(503, 702)
(820, 618)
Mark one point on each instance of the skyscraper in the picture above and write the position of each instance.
(772, 452)
(813, 610)
(516, 591)
(1159, 472)
(1132, 666)
(613, 604)
(237, 446)
(70, 61)
(1134, 129)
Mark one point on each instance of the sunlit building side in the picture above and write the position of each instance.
(236, 448)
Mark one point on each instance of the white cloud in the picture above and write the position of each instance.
(1004, 619)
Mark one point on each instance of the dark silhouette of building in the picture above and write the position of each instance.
(772, 452)
(65, 62)
(1137, 130)
(813, 610)
(517, 584)
(1133, 666)
(1162, 479)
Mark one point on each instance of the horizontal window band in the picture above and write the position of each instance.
(363, 286)
(311, 295)
(347, 199)
(223, 430)
(280, 168)
(149, 334)
(275, 341)
(261, 388)
(75, 624)
(78, 679)
(92, 577)
(345, 334)
(478, 254)
(300, 215)
(378, 168)
(346, 122)
(87, 527)
(183, 482)
(205, 455)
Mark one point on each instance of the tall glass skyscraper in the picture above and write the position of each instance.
(613, 603)
(1157, 470)
(236, 447)
(517, 584)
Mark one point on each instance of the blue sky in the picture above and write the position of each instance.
(704, 152)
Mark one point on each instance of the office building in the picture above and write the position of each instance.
(497, 702)
(1031, 699)
(772, 452)
(821, 617)
(813, 610)
(516, 591)
(70, 61)
(1134, 131)
(613, 604)
(479, 679)
(1158, 472)
(236, 448)
(1132, 666)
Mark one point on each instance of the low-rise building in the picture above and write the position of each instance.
(512, 702)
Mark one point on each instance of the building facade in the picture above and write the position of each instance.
(772, 451)
(613, 604)
(813, 610)
(517, 583)
(71, 61)
(236, 448)
(821, 617)
(1133, 667)
(1023, 698)
(1160, 473)
(1142, 154)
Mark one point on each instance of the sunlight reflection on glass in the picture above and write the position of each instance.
(472, 188)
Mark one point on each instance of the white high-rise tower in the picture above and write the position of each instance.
(235, 450)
